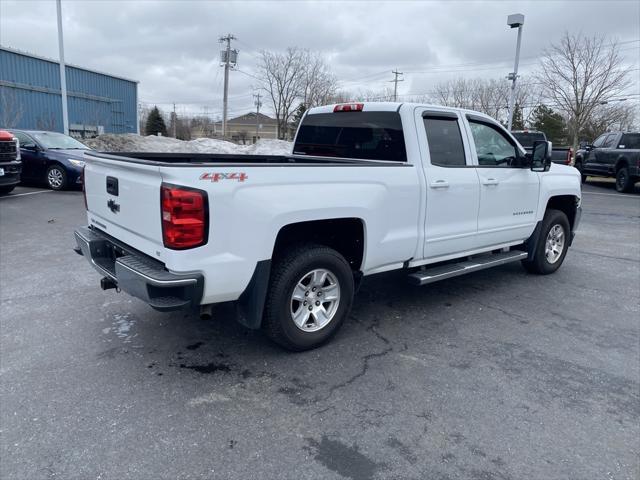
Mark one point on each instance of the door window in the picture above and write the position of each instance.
(597, 143)
(611, 138)
(445, 142)
(493, 147)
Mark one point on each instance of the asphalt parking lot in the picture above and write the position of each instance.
(496, 375)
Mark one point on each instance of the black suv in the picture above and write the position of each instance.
(612, 154)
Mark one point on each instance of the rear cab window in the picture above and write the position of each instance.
(630, 141)
(352, 134)
(526, 139)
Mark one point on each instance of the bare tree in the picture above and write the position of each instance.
(370, 95)
(489, 96)
(282, 76)
(579, 74)
(242, 136)
(605, 118)
(11, 109)
(319, 85)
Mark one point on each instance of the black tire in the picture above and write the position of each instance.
(6, 190)
(578, 166)
(56, 177)
(624, 182)
(540, 264)
(286, 274)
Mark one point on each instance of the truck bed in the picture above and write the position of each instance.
(200, 159)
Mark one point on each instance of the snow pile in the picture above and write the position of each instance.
(135, 143)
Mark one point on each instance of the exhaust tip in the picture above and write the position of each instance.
(206, 312)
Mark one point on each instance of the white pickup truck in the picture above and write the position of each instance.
(368, 188)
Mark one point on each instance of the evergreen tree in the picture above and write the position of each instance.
(297, 115)
(551, 123)
(155, 123)
(517, 123)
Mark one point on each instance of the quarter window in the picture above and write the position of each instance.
(493, 148)
(445, 142)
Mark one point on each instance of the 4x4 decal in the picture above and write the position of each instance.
(216, 177)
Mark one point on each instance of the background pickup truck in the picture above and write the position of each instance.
(369, 188)
(10, 164)
(526, 138)
(612, 154)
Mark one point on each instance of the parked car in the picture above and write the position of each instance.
(612, 154)
(10, 164)
(526, 138)
(51, 158)
(370, 187)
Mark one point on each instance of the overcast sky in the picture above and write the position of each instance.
(172, 46)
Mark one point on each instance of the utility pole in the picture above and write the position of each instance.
(514, 21)
(63, 76)
(395, 84)
(228, 63)
(174, 119)
(258, 105)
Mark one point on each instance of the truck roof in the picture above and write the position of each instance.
(395, 106)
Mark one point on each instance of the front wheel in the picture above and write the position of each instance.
(552, 245)
(4, 190)
(310, 295)
(624, 182)
(56, 177)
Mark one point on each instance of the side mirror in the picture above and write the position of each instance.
(541, 156)
(30, 146)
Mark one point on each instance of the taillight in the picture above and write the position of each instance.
(349, 107)
(84, 189)
(569, 156)
(184, 217)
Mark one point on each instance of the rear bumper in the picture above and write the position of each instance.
(137, 274)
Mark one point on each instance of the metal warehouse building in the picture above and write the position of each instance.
(30, 97)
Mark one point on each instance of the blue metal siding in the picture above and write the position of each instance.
(93, 98)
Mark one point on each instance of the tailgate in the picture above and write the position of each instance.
(123, 200)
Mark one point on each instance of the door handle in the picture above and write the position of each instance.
(490, 181)
(439, 184)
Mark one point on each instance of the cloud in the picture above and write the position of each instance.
(172, 47)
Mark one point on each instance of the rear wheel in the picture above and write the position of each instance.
(552, 245)
(624, 182)
(310, 295)
(56, 177)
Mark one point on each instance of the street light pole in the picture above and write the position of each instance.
(514, 21)
(63, 76)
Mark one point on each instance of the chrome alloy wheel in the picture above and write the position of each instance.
(315, 300)
(554, 245)
(55, 178)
